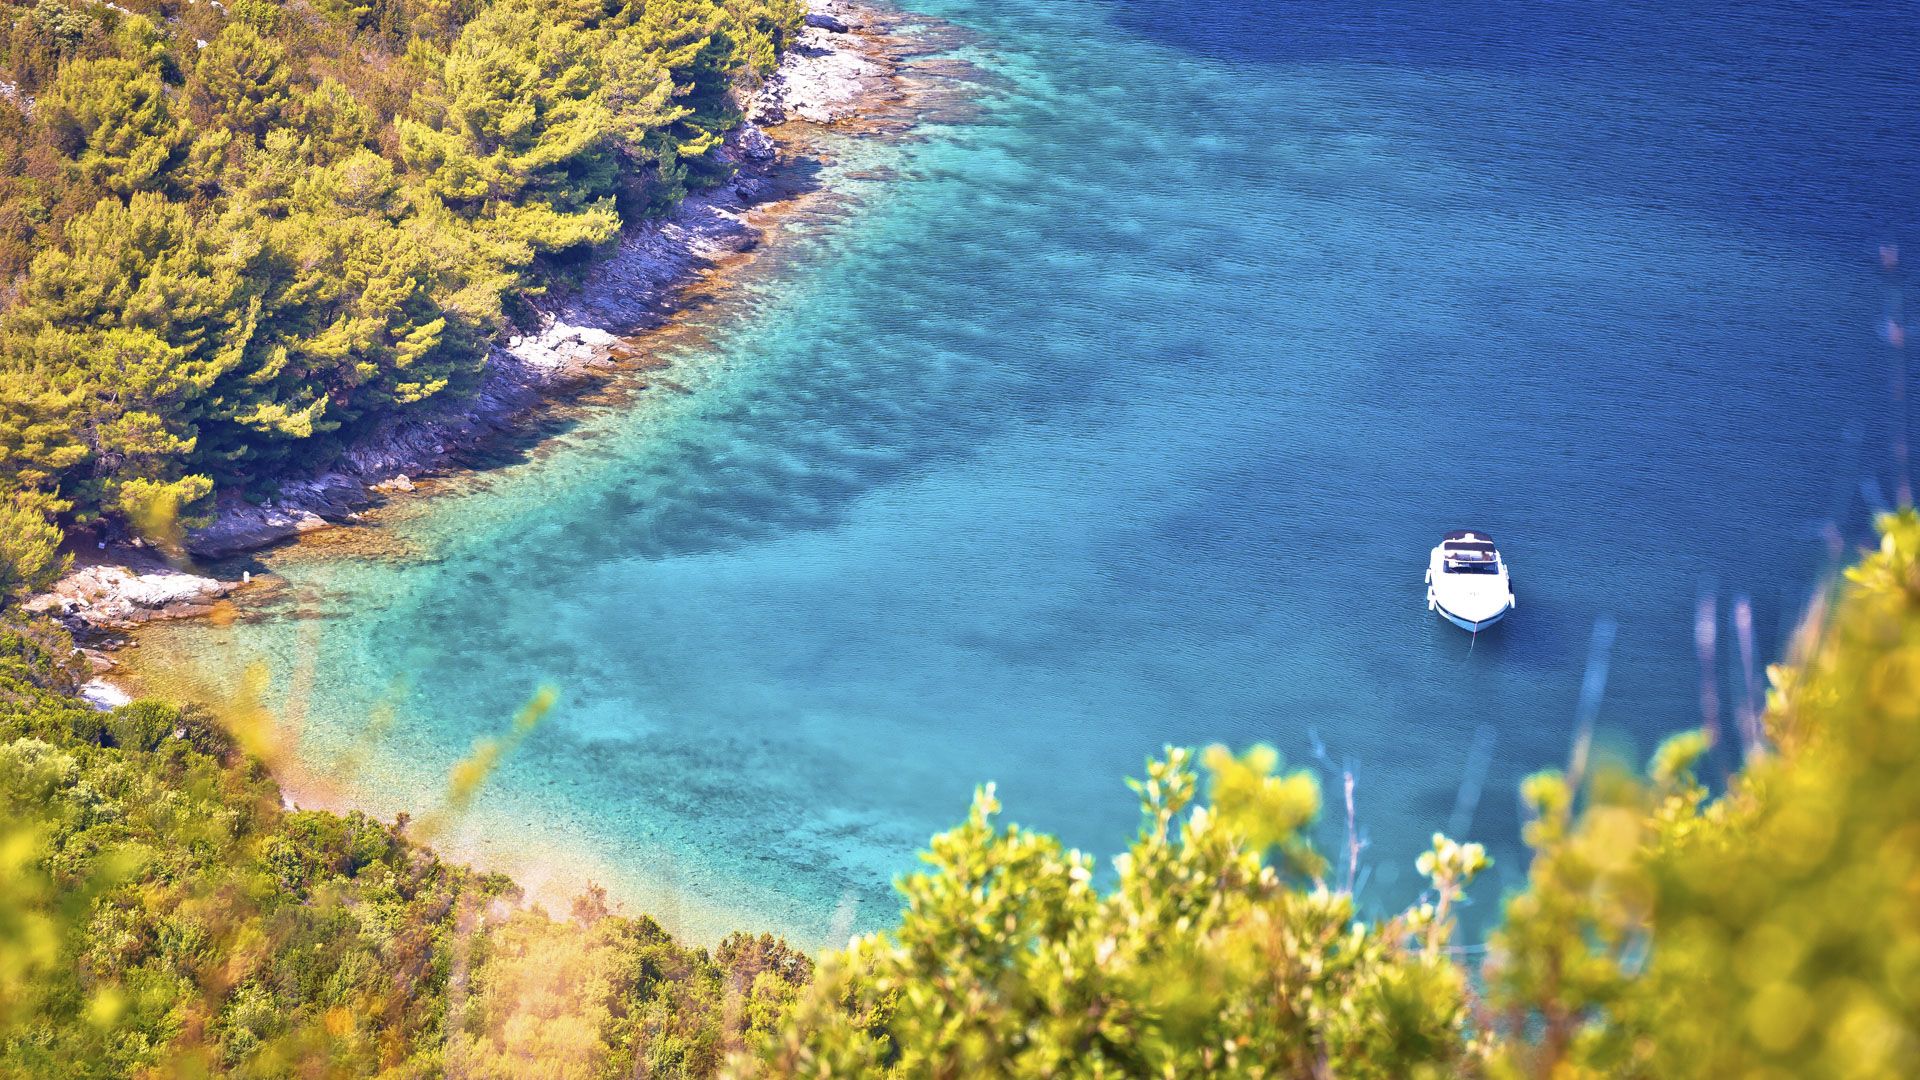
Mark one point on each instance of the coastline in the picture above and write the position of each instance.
(597, 343)
(842, 77)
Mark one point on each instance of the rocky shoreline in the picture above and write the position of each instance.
(842, 72)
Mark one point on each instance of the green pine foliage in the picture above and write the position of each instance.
(232, 238)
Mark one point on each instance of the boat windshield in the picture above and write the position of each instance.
(1471, 558)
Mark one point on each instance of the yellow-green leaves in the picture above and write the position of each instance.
(642, 99)
(1451, 866)
(332, 123)
(1673, 763)
(520, 124)
(130, 326)
(240, 82)
(40, 428)
(1261, 808)
(30, 558)
(115, 125)
(250, 231)
(157, 511)
(1197, 961)
(1766, 932)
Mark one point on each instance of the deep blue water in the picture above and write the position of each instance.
(1125, 415)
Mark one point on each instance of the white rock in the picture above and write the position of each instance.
(103, 695)
(821, 80)
(117, 596)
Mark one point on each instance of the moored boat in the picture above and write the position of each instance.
(1468, 582)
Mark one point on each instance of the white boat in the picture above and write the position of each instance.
(1467, 581)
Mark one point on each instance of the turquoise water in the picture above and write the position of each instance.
(1125, 415)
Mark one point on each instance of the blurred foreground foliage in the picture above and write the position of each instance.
(162, 916)
(1771, 931)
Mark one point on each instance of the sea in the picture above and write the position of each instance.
(1119, 410)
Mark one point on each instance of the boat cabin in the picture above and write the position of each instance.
(1469, 553)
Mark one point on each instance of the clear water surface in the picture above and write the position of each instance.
(1125, 415)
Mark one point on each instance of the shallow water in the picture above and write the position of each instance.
(1126, 415)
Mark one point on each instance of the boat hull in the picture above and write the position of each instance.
(1469, 624)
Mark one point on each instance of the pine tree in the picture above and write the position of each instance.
(114, 126)
(240, 82)
(518, 135)
(146, 267)
(642, 97)
(30, 558)
(229, 258)
(331, 123)
(687, 38)
(41, 426)
(140, 313)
